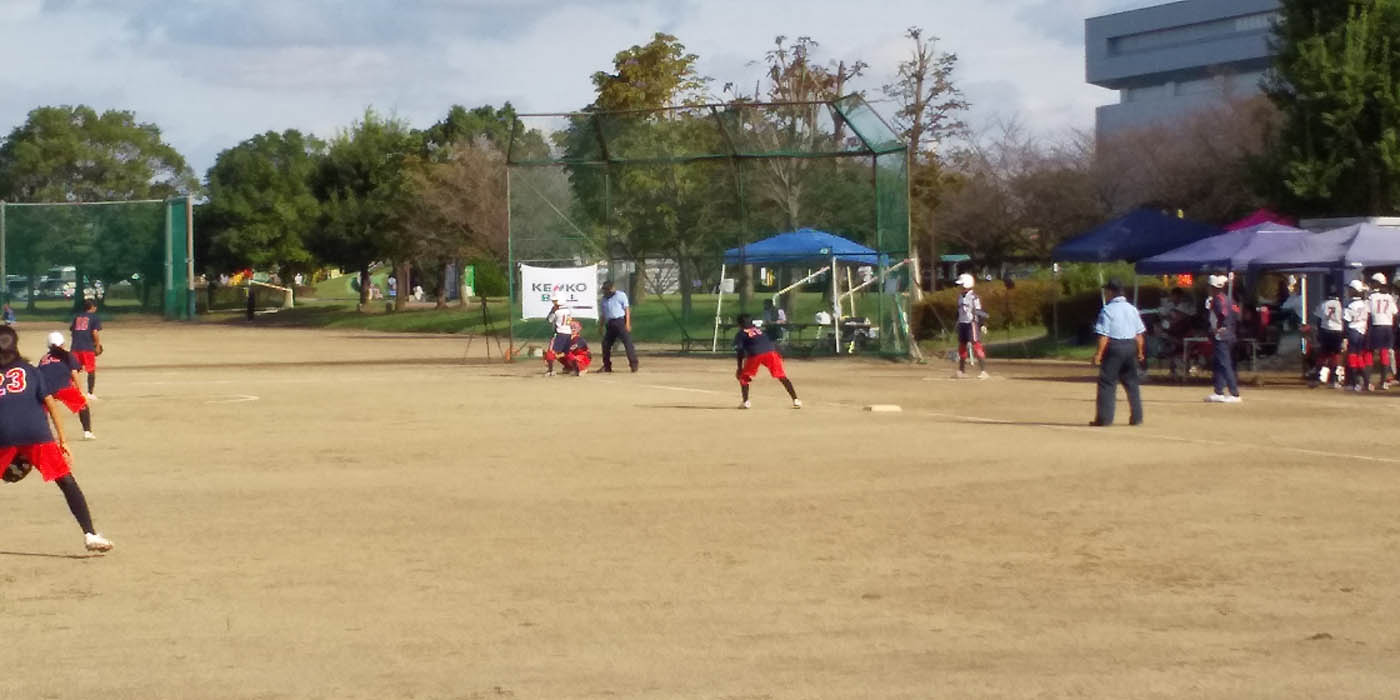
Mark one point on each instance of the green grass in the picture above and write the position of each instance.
(1019, 342)
(657, 319)
(61, 310)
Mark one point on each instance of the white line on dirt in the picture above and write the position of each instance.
(235, 398)
(1135, 434)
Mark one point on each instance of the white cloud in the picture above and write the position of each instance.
(211, 73)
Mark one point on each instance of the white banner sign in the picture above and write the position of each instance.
(575, 287)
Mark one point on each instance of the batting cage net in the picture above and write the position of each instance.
(122, 254)
(796, 213)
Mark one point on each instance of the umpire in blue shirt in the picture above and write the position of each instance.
(617, 324)
(1120, 349)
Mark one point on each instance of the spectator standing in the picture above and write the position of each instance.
(1224, 317)
(1121, 348)
(617, 325)
(9, 317)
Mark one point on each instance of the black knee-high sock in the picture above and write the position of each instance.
(787, 384)
(76, 503)
(92, 381)
(744, 391)
(85, 416)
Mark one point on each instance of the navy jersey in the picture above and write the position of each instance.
(57, 372)
(82, 327)
(1224, 317)
(752, 342)
(23, 420)
(578, 343)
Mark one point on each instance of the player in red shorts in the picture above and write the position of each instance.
(87, 342)
(577, 358)
(60, 370)
(25, 413)
(753, 349)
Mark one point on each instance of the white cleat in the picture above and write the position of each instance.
(96, 543)
(1215, 398)
(87, 435)
(91, 397)
(797, 403)
(959, 374)
(1232, 399)
(983, 375)
(549, 373)
(745, 405)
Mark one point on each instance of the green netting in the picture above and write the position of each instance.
(656, 197)
(126, 254)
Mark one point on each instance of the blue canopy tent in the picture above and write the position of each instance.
(1349, 247)
(1236, 250)
(1358, 245)
(804, 245)
(801, 247)
(1139, 234)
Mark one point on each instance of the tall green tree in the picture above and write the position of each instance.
(1337, 82)
(362, 184)
(634, 205)
(73, 154)
(929, 114)
(261, 207)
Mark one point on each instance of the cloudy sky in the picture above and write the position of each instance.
(211, 73)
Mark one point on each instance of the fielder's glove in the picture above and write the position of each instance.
(17, 470)
(98, 351)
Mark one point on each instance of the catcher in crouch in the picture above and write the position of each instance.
(26, 410)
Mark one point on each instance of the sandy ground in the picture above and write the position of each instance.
(323, 514)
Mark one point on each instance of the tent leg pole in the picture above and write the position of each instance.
(836, 305)
(719, 304)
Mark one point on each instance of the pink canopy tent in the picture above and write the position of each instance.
(1262, 216)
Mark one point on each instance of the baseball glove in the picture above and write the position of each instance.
(97, 351)
(17, 470)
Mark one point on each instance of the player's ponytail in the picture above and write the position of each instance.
(9, 347)
(60, 352)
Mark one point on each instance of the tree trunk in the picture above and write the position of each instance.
(686, 290)
(401, 272)
(364, 287)
(745, 287)
(30, 304)
(637, 285)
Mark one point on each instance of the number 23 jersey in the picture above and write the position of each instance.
(22, 417)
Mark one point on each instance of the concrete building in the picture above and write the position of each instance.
(1170, 60)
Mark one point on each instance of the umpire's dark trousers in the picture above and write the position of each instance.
(617, 329)
(1119, 365)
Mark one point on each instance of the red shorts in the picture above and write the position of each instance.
(578, 359)
(772, 360)
(46, 457)
(72, 398)
(88, 358)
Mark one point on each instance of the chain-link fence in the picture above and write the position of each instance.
(669, 202)
(121, 254)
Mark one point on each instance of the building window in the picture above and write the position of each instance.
(1191, 33)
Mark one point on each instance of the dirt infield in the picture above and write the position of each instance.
(313, 514)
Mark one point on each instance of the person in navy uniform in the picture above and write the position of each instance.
(1224, 318)
(1120, 350)
(86, 329)
(617, 325)
(753, 349)
(60, 371)
(26, 409)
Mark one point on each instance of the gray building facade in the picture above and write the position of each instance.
(1170, 60)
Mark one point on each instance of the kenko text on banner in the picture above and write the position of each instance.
(575, 287)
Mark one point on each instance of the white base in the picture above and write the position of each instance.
(884, 408)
